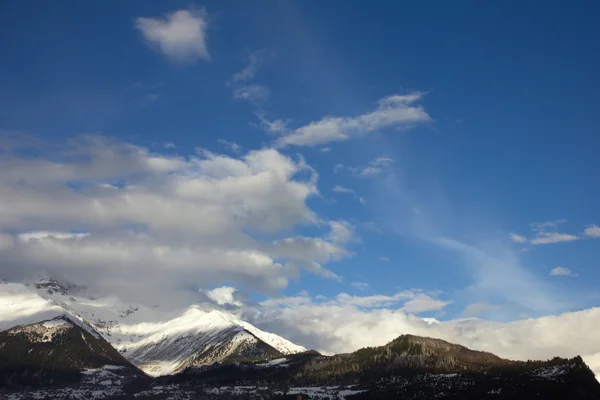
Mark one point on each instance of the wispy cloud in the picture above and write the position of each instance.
(360, 285)
(240, 82)
(384, 259)
(398, 111)
(547, 233)
(477, 309)
(230, 145)
(423, 302)
(562, 271)
(553, 237)
(150, 98)
(342, 232)
(517, 238)
(180, 35)
(342, 189)
(274, 127)
(372, 169)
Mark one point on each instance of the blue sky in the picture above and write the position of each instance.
(493, 131)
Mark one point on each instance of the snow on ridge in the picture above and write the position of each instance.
(129, 328)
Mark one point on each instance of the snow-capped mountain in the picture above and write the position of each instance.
(157, 342)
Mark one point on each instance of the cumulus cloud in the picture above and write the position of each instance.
(562, 271)
(396, 111)
(223, 295)
(116, 216)
(180, 35)
(592, 231)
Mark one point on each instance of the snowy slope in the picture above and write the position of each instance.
(157, 342)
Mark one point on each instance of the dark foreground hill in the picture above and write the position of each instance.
(60, 359)
(60, 351)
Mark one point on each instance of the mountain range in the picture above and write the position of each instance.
(56, 342)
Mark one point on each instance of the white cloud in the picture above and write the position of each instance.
(517, 238)
(546, 233)
(113, 215)
(396, 111)
(552, 237)
(562, 271)
(223, 295)
(325, 149)
(342, 232)
(342, 189)
(373, 168)
(180, 35)
(362, 200)
(360, 285)
(368, 172)
(384, 259)
(592, 231)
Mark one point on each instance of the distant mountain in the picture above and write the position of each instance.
(410, 367)
(158, 342)
(61, 343)
(199, 337)
(56, 351)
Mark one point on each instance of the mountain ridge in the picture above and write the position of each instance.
(148, 337)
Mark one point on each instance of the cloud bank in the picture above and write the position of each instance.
(110, 214)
